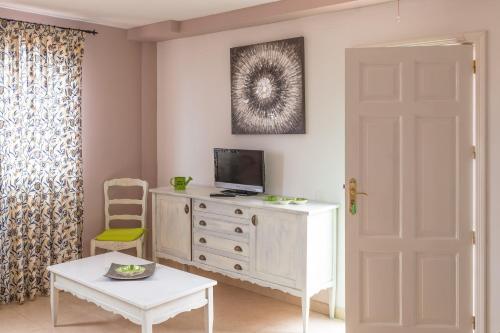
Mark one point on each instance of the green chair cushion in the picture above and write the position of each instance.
(120, 234)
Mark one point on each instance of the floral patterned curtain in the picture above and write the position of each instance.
(41, 186)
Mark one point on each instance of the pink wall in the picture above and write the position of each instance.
(148, 123)
(112, 110)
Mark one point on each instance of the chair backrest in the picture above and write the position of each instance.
(126, 182)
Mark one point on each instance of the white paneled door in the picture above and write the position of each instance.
(409, 147)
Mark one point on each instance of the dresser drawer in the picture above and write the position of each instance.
(221, 208)
(222, 244)
(214, 223)
(225, 263)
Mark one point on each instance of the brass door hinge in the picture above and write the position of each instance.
(474, 66)
(474, 322)
(474, 152)
(473, 237)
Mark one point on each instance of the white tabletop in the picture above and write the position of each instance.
(203, 193)
(165, 285)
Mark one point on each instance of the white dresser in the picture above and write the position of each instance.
(291, 248)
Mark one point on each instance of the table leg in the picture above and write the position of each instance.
(54, 299)
(209, 311)
(146, 326)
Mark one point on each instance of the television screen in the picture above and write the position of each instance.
(239, 169)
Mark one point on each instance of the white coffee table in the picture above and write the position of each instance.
(144, 302)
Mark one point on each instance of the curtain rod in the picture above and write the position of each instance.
(93, 32)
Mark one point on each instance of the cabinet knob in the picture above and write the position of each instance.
(186, 209)
(202, 205)
(254, 220)
(238, 248)
(238, 267)
(238, 211)
(203, 240)
(202, 223)
(202, 257)
(238, 230)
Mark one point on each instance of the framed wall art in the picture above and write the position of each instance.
(267, 88)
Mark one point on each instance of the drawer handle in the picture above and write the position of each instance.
(238, 248)
(203, 223)
(238, 267)
(238, 230)
(238, 211)
(254, 220)
(202, 205)
(203, 240)
(186, 209)
(202, 257)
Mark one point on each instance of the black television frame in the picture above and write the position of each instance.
(241, 189)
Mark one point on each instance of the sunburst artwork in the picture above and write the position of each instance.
(267, 88)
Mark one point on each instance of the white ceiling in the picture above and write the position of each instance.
(128, 13)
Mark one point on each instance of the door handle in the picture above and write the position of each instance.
(353, 196)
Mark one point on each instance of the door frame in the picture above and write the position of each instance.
(478, 40)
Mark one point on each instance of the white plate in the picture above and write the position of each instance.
(299, 202)
(284, 202)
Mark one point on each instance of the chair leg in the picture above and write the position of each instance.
(92, 247)
(139, 248)
(144, 241)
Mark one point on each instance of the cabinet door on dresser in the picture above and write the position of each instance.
(173, 226)
(276, 245)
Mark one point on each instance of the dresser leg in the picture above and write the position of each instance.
(331, 302)
(209, 311)
(306, 304)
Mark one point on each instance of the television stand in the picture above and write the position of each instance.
(284, 247)
(240, 192)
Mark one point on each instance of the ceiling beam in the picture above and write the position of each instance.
(246, 17)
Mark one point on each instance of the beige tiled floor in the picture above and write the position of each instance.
(236, 310)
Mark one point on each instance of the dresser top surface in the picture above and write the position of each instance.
(203, 193)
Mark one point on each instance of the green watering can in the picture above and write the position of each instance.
(180, 183)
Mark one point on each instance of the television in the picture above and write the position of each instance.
(239, 171)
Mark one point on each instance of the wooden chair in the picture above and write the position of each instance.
(116, 239)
